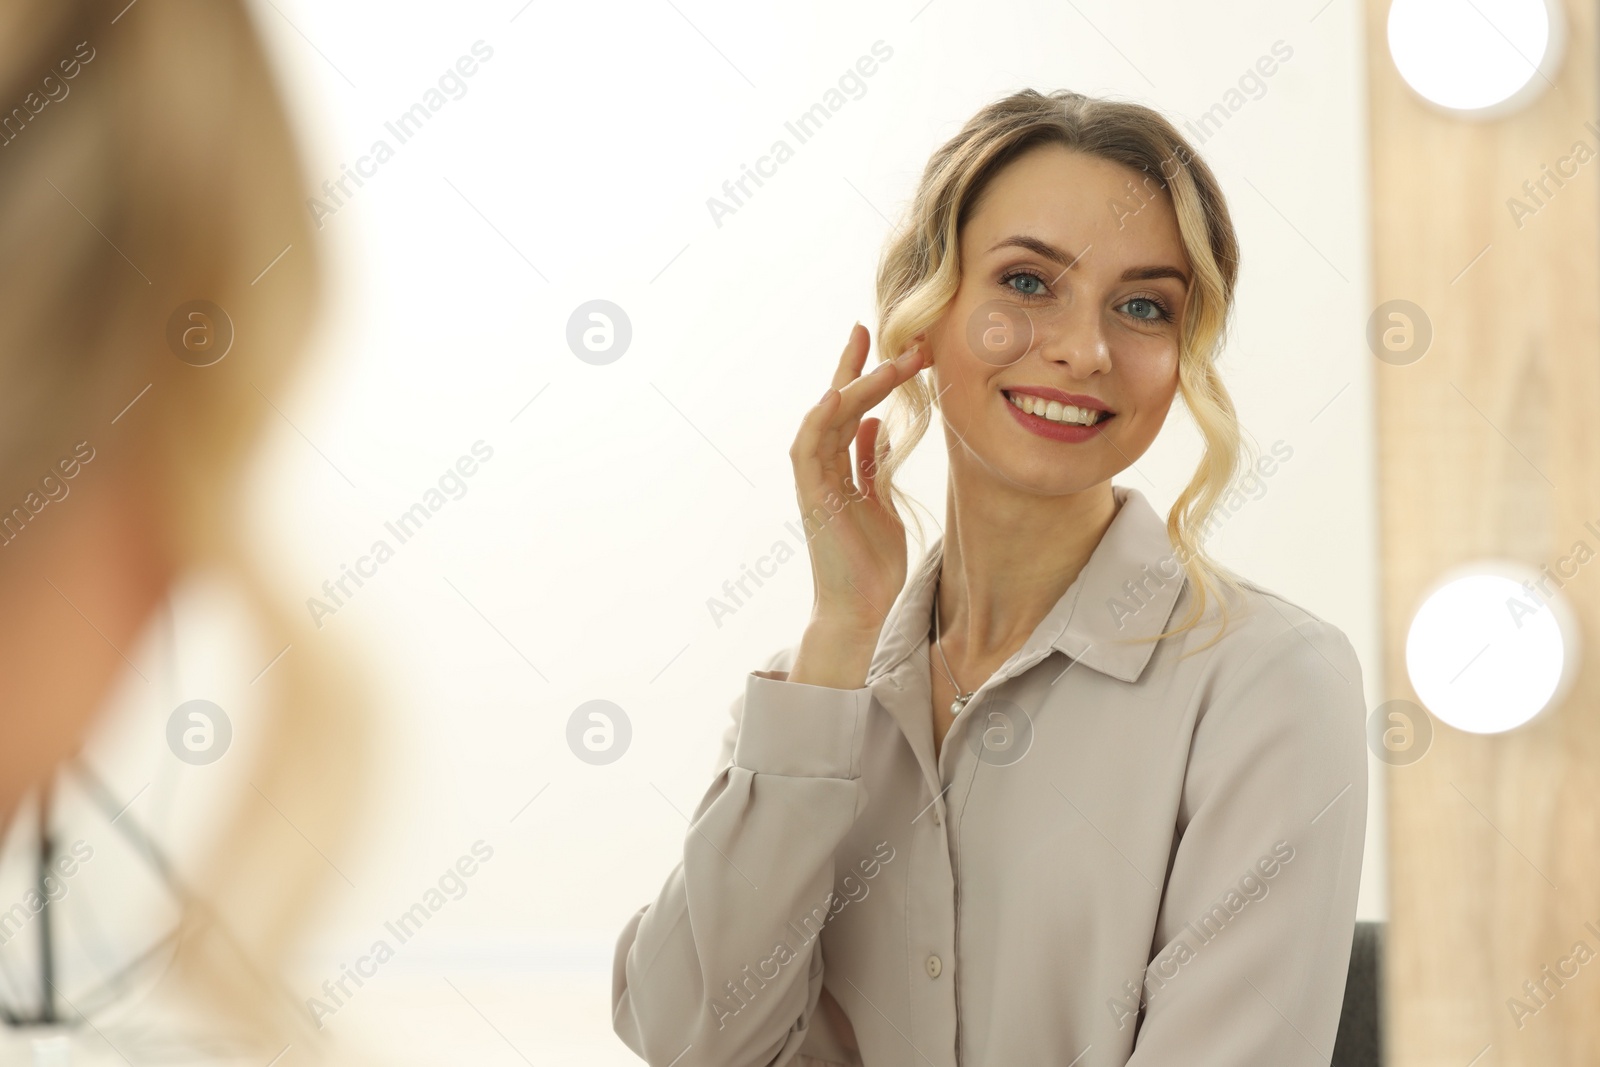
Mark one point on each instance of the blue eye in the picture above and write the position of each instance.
(1035, 290)
(1033, 287)
(1160, 312)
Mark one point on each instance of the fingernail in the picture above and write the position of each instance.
(825, 396)
(904, 359)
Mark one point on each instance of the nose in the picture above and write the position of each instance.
(1074, 334)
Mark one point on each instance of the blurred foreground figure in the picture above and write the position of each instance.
(148, 178)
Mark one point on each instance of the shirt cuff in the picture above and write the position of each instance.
(799, 730)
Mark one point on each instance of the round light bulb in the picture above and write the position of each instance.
(1488, 649)
(1477, 58)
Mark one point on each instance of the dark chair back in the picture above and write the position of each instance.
(1360, 1040)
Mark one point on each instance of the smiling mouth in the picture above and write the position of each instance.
(1056, 411)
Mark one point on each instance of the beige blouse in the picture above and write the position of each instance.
(1120, 855)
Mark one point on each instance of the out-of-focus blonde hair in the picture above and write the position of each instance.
(165, 173)
(920, 273)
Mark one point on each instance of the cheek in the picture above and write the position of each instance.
(1151, 379)
(959, 378)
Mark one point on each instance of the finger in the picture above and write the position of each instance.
(806, 454)
(861, 396)
(867, 438)
(821, 455)
(821, 449)
(867, 391)
(814, 424)
(853, 357)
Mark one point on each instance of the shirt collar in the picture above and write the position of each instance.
(1125, 592)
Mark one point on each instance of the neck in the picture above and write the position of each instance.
(1007, 558)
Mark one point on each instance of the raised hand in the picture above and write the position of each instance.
(856, 540)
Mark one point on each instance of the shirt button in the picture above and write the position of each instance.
(936, 820)
(934, 967)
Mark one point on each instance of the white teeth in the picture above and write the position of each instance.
(1054, 410)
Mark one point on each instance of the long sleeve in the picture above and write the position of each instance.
(1253, 936)
(719, 970)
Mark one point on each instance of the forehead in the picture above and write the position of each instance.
(1074, 201)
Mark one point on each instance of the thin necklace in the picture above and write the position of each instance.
(961, 698)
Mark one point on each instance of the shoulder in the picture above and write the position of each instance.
(1276, 655)
(1282, 703)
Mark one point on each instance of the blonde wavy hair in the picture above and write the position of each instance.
(162, 171)
(920, 273)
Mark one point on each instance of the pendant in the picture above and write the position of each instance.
(958, 703)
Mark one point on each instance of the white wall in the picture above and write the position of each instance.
(577, 166)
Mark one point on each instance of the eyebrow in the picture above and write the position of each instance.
(1051, 252)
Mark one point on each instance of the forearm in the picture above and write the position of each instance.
(699, 973)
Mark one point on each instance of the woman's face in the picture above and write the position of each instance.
(1073, 287)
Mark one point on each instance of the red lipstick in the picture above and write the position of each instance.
(1056, 431)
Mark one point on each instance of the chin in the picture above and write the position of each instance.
(1038, 475)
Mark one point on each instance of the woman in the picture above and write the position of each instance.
(148, 167)
(999, 812)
